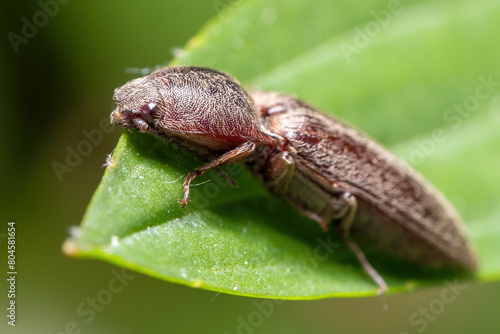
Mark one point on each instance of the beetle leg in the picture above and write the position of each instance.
(350, 206)
(367, 267)
(228, 178)
(234, 155)
(345, 227)
(279, 170)
(315, 217)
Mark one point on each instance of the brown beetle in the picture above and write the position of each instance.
(328, 171)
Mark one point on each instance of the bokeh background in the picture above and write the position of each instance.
(59, 84)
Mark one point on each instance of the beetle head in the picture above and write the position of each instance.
(138, 105)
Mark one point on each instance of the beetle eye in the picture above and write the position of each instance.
(149, 112)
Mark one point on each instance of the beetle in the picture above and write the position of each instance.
(330, 172)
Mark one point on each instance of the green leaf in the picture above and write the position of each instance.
(411, 74)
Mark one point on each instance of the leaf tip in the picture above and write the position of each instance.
(70, 248)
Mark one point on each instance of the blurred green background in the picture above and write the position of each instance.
(59, 84)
